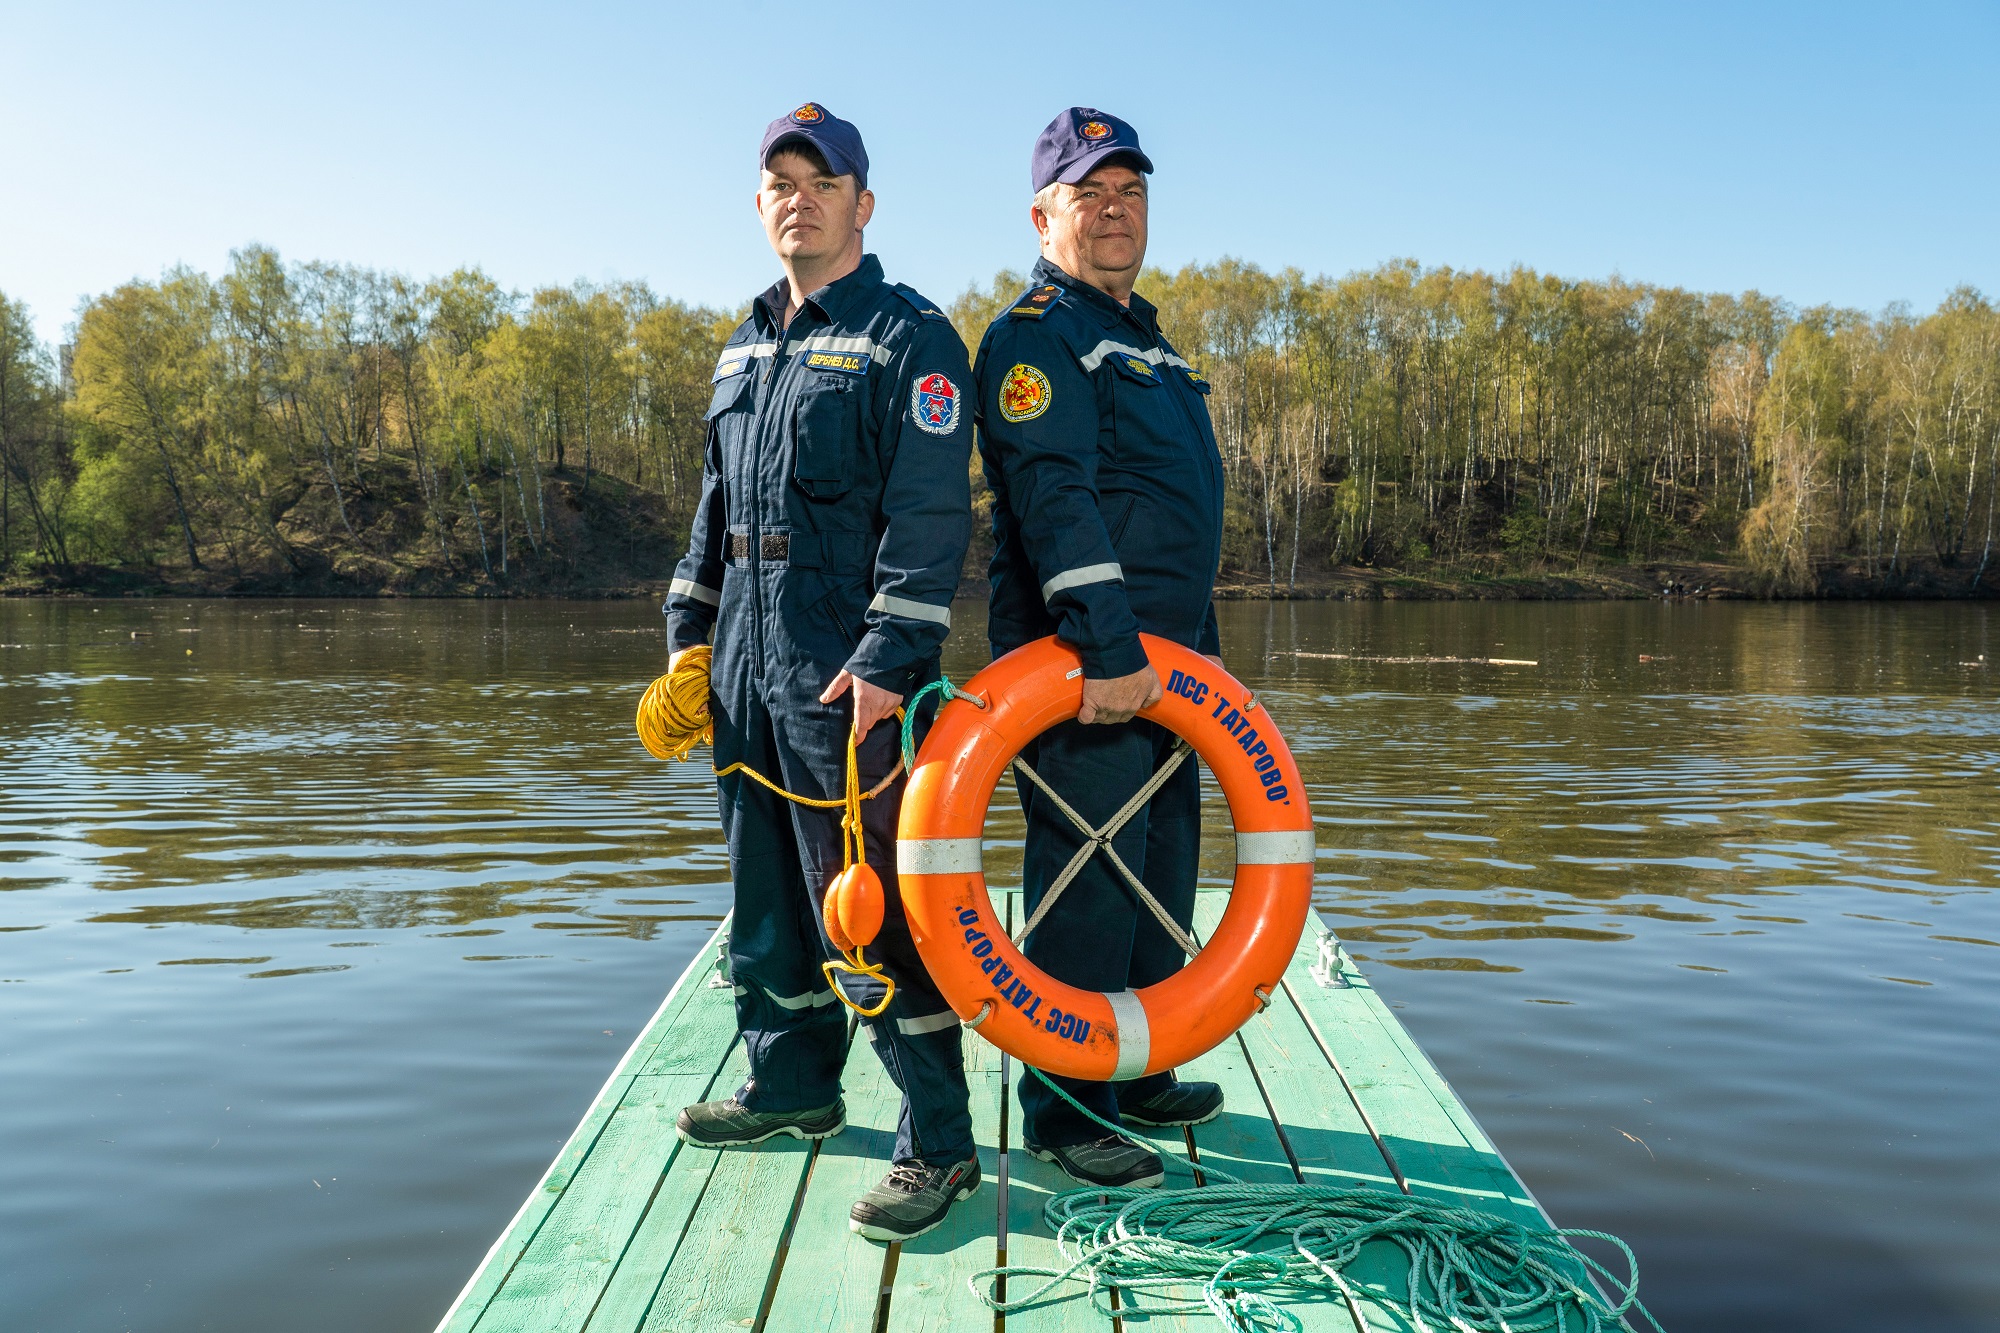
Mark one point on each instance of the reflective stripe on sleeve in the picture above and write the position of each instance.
(1109, 572)
(917, 1027)
(903, 606)
(689, 588)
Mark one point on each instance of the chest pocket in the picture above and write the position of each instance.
(728, 393)
(825, 430)
(1197, 380)
(1135, 370)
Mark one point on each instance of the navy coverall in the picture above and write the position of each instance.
(835, 510)
(1107, 520)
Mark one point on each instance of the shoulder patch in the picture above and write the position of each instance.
(918, 301)
(934, 404)
(1024, 394)
(1036, 303)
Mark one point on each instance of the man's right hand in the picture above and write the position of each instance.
(1120, 698)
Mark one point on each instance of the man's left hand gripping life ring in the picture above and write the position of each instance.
(1056, 1027)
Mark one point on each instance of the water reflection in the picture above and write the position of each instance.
(1740, 859)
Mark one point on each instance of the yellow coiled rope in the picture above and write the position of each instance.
(674, 719)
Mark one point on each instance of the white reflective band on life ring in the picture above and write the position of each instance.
(938, 856)
(1135, 1039)
(1281, 848)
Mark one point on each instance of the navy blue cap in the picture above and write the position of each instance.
(837, 140)
(1076, 141)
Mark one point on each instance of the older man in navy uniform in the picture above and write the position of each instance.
(825, 549)
(1107, 521)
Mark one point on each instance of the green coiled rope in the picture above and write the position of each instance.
(1247, 1247)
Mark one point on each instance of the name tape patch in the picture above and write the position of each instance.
(845, 363)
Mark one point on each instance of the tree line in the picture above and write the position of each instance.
(318, 422)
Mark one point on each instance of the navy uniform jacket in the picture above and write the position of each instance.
(1107, 513)
(835, 505)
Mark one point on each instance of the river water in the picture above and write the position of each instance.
(323, 922)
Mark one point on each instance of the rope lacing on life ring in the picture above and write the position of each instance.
(1099, 839)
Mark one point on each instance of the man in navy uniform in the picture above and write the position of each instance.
(1107, 521)
(833, 519)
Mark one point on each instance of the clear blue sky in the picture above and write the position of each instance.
(1824, 153)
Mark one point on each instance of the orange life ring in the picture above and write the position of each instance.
(1014, 1004)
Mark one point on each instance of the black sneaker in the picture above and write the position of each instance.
(912, 1199)
(729, 1123)
(1181, 1104)
(1115, 1162)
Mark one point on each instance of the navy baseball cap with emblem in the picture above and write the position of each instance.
(837, 140)
(1077, 141)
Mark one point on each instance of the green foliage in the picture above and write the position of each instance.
(321, 421)
(311, 421)
(36, 478)
(1430, 416)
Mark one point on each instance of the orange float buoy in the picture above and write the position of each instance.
(854, 903)
(989, 984)
(829, 914)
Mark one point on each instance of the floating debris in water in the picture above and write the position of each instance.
(1369, 657)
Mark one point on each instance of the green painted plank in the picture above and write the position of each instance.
(930, 1293)
(633, 1287)
(1245, 1142)
(718, 1276)
(1066, 1309)
(1401, 1093)
(832, 1279)
(689, 989)
(571, 1257)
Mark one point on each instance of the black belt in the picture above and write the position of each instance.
(770, 546)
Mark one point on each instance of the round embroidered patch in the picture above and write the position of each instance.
(1095, 129)
(1024, 394)
(934, 405)
(809, 114)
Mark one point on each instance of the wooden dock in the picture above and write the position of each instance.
(632, 1230)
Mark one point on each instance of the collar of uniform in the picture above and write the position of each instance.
(1141, 312)
(829, 302)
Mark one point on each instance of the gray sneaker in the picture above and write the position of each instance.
(729, 1123)
(1114, 1162)
(912, 1199)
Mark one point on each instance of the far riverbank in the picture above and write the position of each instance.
(1674, 580)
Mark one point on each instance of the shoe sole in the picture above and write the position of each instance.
(794, 1130)
(869, 1231)
(1142, 1183)
(1168, 1124)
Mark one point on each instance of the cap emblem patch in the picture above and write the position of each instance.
(934, 405)
(1024, 394)
(809, 114)
(1095, 129)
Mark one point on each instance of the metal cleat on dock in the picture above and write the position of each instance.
(1330, 968)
